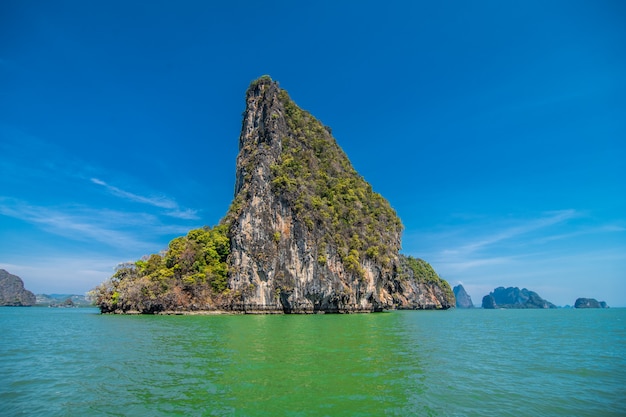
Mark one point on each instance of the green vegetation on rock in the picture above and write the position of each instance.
(315, 176)
(424, 273)
(191, 274)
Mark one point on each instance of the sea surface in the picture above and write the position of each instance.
(76, 362)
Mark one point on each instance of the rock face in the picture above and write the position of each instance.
(589, 303)
(307, 232)
(12, 292)
(513, 297)
(489, 302)
(463, 300)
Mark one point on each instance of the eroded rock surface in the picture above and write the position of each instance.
(12, 291)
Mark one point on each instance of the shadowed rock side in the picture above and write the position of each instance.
(12, 292)
(463, 300)
(305, 233)
(513, 297)
(589, 303)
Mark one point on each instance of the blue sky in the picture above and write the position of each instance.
(497, 130)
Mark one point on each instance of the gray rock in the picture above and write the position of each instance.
(463, 300)
(489, 302)
(12, 292)
(589, 303)
(513, 297)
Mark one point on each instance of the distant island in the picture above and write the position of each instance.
(12, 291)
(63, 300)
(463, 300)
(589, 303)
(305, 233)
(513, 297)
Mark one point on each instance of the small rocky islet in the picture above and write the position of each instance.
(589, 303)
(305, 233)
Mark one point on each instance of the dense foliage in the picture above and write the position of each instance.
(315, 176)
(191, 273)
(423, 272)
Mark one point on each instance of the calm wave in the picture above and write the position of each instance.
(75, 362)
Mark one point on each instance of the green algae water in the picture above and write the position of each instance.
(76, 362)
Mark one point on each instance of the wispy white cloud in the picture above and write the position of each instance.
(186, 214)
(463, 264)
(32, 161)
(507, 244)
(611, 228)
(113, 228)
(159, 201)
(547, 220)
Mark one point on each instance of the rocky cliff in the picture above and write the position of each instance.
(308, 232)
(589, 303)
(513, 297)
(463, 300)
(305, 233)
(12, 292)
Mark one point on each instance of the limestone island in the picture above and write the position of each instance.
(463, 299)
(589, 303)
(12, 291)
(305, 233)
(513, 297)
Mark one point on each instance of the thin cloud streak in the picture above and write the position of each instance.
(458, 251)
(160, 202)
(557, 217)
(45, 160)
(187, 214)
(84, 224)
(584, 232)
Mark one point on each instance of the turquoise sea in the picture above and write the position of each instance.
(76, 362)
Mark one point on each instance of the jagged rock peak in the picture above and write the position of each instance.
(463, 300)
